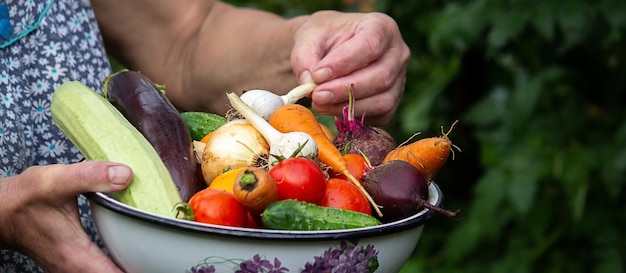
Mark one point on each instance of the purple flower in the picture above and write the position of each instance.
(349, 257)
(346, 258)
(259, 265)
(202, 269)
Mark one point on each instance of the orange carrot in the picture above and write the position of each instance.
(255, 189)
(297, 118)
(428, 155)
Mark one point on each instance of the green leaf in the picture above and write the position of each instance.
(490, 110)
(522, 190)
(542, 19)
(573, 17)
(613, 166)
(505, 25)
(613, 11)
(484, 217)
(528, 91)
(523, 163)
(490, 193)
(416, 108)
(579, 201)
(457, 27)
(576, 177)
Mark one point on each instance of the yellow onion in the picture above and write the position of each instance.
(234, 144)
(198, 150)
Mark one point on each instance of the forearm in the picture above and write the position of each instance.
(3, 214)
(241, 49)
(215, 49)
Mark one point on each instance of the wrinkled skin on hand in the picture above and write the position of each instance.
(336, 50)
(333, 49)
(39, 214)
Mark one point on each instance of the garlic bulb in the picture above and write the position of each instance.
(293, 144)
(264, 102)
(234, 144)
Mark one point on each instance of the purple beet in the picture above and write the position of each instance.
(355, 137)
(399, 189)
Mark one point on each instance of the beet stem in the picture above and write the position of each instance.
(424, 204)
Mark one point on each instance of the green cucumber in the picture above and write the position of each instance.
(202, 123)
(298, 215)
(101, 132)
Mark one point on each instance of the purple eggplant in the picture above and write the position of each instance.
(143, 103)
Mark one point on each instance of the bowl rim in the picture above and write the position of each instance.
(109, 203)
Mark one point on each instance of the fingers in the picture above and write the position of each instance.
(326, 41)
(378, 110)
(39, 214)
(69, 180)
(367, 44)
(366, 50)
(378, 77)
(378, 89)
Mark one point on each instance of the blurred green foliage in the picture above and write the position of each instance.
(539, 89)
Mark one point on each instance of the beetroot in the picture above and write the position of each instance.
(400, 189)
(355, 137)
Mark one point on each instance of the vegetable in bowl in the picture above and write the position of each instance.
(134, 237)
(292, 234)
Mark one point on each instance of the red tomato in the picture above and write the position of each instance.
(254, 220)
(341, 193)
(356, 165)
(299, 178)
(218, 207)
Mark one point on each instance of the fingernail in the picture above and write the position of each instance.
(323, 74)
(305, 77)
(119, 174)
(323, 97)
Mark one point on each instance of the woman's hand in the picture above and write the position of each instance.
(336, 50)
(39, 214)
(203, 49)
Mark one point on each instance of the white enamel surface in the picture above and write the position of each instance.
(140, 246)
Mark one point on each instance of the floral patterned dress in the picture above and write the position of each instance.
(43, 43)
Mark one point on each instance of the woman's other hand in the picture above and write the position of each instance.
(39, 214)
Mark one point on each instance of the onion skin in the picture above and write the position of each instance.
(235, 144)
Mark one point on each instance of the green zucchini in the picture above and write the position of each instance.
(202, 123)
(298, 215)
(101, 132)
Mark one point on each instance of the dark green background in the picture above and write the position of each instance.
(538, 88)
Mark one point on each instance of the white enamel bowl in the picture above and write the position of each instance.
(141, 242)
